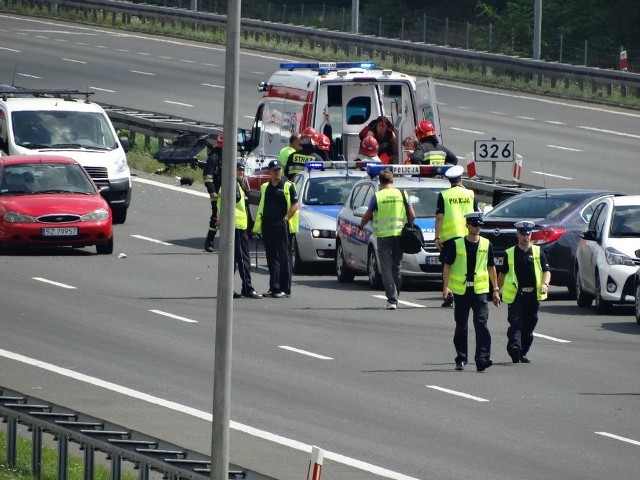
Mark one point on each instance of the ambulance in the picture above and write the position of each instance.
(343, 96)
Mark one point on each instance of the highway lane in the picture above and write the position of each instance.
(379, 387)
(563, 142)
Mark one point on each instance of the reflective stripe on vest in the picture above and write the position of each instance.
(510, 285)
(241, 209)
(458, 271)
(458, 201)
(390, 215)
(434, 157)
(293, 221)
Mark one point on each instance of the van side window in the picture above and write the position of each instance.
(257, 127)
(358, 110)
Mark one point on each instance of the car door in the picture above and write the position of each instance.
(348, 225)
(361, 252)
(590, 249)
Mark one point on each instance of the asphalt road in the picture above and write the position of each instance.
(131, 339)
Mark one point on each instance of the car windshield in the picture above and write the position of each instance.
(424, 201)
(533, 207)
(626, 221)
(45, 178)
(328, 190)
(62, 130)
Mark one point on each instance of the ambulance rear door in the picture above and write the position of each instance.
(427, 104)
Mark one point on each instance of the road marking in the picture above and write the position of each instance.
(497, 113)
(272, 437)
(143, 53)
(101, 46)
(564, 148)
(304, 352)
(525, 118)
(617, 437)
(151, 240)
(29, 76)
(57, 284)
(459, 394)
(73, 60)
(213, 86)
(170, 187)
(14, 50)
(409, 304)
(178, 103)
(609, 131)
(551, 175)
(210, 64)
(171, 315)
(475, 132)
(142, 73)
(553, 339)
(554, 122)
(188, 61)
(164, 57)
(102, 89)
(259, 73)
(125, 50)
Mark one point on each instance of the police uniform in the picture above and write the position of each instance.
(469, 281)
(241, 254)
(212, 177)
(275, 203)
(522, 288)
(430, 152)
(296, 160)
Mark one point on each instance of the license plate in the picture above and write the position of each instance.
(498, 261)
(433, 261)
(60, 232)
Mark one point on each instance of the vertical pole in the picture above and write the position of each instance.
(355, 14)
(302, 13)
(284, 13)
(269, 12)
(402, 28)
(12, 442)
(194, 5)
(561, 46)
(63, 457)
(344, 13)
(468, 30)
(224, 305)
(324, 8)
(424, 28)
(36, 452)
(380, 26)
(586, 50)
(537, 28)
(116, 467)
(89, 462)
(446, 31)
(490, 35)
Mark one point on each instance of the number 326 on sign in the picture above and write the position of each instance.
(493, 150)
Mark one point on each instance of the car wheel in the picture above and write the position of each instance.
(375, 279)
(602, 306)
(105, 248)
(637, 302)
(298, 266)
(119, 215)
(583, 298)
(343, 272)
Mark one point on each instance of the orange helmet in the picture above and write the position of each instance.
(311, 134)
(324, 143)
(369, 146)
(425, 129)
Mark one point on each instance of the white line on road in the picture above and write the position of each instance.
(164, 57)
(497, 113)
(459, 394)
(171, 315)
(29, 76)
(178, 103)
(102, 89)
(191, 61)
(622, 134)
(409, 304)
(142, 73)
(271, 437)
(525, 118)
(143, 53)
(18, 51)
(564, 148)
(304, 352)
(57, 284)
(151, 240)
(554, 122)
(553, 339)
(171, 187)
(617, 437)
(551, 175)
(214, 86)
(464, 130)
(73, 60)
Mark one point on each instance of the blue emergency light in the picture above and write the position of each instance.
(314, 165)
(418, 170)
(327, 65)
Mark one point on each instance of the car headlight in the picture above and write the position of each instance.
(323, 233)
(96, 216)
(16, 217)
(121, 164)
(615, 257)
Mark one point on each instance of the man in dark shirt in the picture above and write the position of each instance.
(524, 279)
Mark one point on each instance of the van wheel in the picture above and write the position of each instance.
(375, 279)
(105, 248)
(343, 272)
(637, 302)
(602, 306)
(583, 298)
(298, 266)
(119, 215)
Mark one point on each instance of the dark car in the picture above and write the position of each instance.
(560, 214)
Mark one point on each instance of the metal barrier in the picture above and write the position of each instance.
(96, 435)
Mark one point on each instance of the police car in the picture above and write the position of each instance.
(322, 189)
(356, 249)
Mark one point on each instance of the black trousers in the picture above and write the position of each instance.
(478, 304)
(214, 216)
(275, 234)
(242, 260)
(522, 315)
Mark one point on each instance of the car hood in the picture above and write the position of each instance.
(45, 204)
(319, 216)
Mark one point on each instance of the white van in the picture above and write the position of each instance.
(65, 122)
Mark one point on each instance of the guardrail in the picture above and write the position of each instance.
(96, 435)
(402, 51)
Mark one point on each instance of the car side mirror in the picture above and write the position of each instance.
(124, 141)
(588, 235)
(360, 211)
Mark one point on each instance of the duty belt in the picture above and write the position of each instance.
(528, 289)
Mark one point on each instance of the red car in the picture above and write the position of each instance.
(50, 200)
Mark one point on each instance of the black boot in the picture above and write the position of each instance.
(208, 243)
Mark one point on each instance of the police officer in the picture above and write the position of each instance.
(468, 268)
(453, 204)
(429, 150)
(212, 176)
(307, 153)
(277, 218)
(524, 279)
(241, 255)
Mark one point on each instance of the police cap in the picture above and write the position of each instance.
(474, 217)
(454, 173)
(524, 226)
(274, 165)
(240, 164)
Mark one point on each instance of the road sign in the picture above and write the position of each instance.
(493, 150)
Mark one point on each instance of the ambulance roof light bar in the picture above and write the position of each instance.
(418, 170)
(327, 65)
